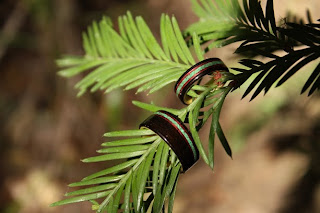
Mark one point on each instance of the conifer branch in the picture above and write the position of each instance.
(146, 176)
(225, 22)
(130, 59)
(150, 168)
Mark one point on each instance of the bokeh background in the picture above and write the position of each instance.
(45, 130)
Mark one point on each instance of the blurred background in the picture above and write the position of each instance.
(45, 130)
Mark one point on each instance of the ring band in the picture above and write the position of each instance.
(210, 66)
(171, 129)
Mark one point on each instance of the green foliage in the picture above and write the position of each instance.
(225, 22)
(126, 185)
(145, 176)
(130, 59)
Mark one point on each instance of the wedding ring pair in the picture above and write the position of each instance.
(169, 127)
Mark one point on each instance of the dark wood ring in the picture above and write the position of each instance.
(172, 130)
(196, 72)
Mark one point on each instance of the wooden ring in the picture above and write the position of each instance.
(210, 66)
(172, 130)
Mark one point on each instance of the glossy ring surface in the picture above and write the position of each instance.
(171, 129)
(210, 66)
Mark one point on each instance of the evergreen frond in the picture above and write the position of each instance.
(280, 68)
(125, 185)
(212, 98)
(132, 58)
(146, 175)
(225, 22)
